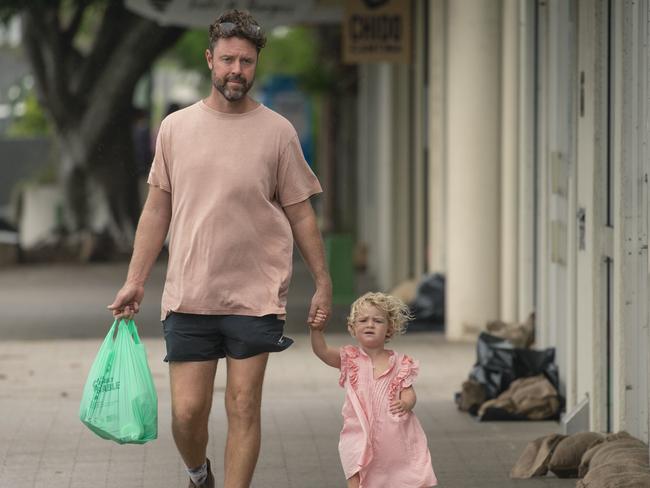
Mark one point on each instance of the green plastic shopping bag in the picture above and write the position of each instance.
(119, 400)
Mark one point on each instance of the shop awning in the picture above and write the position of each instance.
(269, 13)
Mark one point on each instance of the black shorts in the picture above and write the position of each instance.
(192, 337)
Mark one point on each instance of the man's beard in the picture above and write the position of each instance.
(229, 93)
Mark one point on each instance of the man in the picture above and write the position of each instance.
(230, 182)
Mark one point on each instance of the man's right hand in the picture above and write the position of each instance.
(127, 301)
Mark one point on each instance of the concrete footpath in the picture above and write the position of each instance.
(43, 443)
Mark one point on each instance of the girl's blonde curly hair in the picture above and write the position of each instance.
(397, 312)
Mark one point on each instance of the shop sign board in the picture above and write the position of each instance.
(377, 31)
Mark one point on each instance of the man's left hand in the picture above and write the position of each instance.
(321, 304)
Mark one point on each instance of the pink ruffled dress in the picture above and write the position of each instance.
(386, 450)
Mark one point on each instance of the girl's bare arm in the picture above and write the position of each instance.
(408, 397)
(405, 403)
(328, 355)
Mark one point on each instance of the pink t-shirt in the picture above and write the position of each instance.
(229, 175)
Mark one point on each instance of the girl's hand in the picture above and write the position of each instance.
(399, 407)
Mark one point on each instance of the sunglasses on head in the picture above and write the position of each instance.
(228, 28)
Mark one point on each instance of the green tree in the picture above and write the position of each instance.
(87, 57)
(289, 51)
(32, 123)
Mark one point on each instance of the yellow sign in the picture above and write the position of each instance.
(377, 30)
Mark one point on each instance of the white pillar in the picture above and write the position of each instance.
(365, 106)
(375, 149)
(418, 247)
(437, 184)
(400, 187)
(510, 164)
(382, 249)
(474, 109)
(527, 217)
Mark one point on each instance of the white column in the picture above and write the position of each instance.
(382, 248)
(527, 215)
(364, 203)
(400, 186)
(419, 142)
(474, 108)
(510, 163)
(437, 184)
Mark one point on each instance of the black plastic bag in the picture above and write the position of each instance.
(499, 363)
(428, 308)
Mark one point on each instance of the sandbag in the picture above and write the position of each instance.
(623, 449)
(534, 460)
(565, 461)
(532, 398)
(520, 335)
(471, 397)
(616, 476)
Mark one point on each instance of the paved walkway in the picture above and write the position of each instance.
(43, 444)
(44, 360)
(64, 301)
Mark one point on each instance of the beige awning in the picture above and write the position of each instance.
(269, 13)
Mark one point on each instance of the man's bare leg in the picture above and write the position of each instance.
(243, 403)
(192, 384)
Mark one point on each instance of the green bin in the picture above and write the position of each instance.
(339, 255)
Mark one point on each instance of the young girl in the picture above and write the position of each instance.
(382, 443)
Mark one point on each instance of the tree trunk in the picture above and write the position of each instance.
(114, 172)
(88, 97)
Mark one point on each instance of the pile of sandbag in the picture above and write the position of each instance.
(601, 460)
(533, 398)
(519, 335)
(510, 380)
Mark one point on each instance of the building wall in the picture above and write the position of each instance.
(591, 236)
(594, 235)
(536, 136)
(630, 117)
(555, 156)
(573, 134)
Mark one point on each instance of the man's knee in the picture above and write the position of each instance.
(243, 405)
(190, 414)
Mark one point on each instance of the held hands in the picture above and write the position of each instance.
(127, 301)
(319, 320)
(321, 305)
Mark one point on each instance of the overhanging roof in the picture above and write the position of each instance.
(269, 13)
